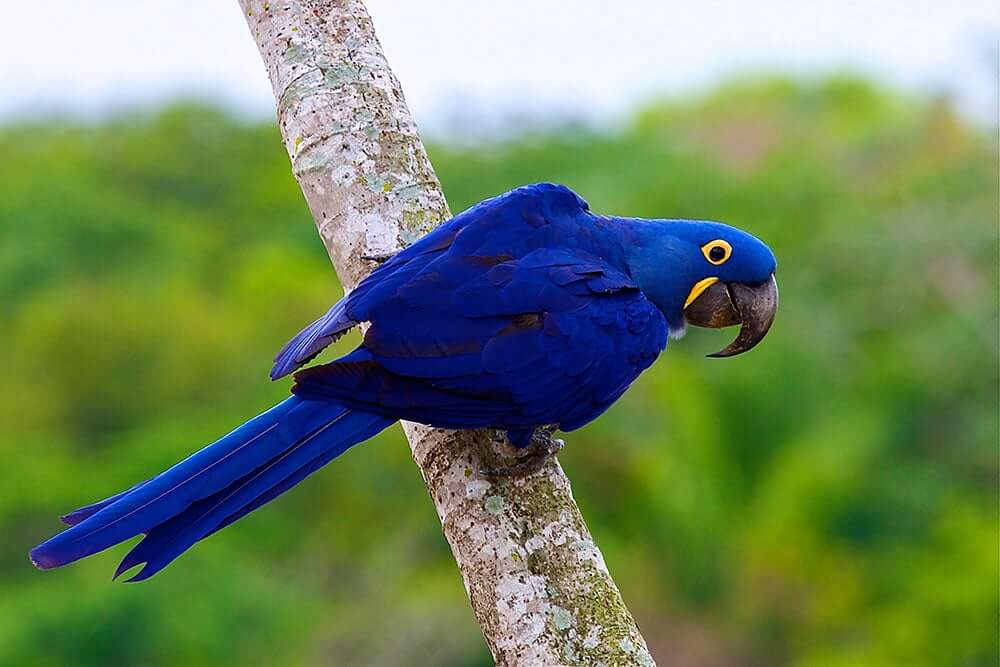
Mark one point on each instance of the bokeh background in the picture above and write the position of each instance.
(828, 500)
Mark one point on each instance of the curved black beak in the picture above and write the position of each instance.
(753, 307)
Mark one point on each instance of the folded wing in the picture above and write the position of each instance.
(513, 315)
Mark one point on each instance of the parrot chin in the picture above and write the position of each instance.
(726, 304)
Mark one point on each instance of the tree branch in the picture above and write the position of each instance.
(537, 582)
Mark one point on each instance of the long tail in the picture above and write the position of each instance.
(213, 487)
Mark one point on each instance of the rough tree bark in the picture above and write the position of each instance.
(537, 582)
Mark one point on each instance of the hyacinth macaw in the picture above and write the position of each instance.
(526, 311)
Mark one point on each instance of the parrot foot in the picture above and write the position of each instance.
(530, 459)
(379, 259)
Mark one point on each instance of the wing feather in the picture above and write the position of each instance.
(514, 314)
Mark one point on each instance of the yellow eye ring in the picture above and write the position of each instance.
(717, 251)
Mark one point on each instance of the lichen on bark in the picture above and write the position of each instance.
(537, 582)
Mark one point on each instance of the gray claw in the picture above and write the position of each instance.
(542, 448)
(379, 259)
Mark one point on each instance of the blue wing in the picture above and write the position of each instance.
(481, 231)
(516, 313)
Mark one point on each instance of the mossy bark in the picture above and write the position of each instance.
(537, 582)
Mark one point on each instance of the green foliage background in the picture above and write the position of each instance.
(829, 499)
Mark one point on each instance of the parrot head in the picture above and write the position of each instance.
(707, 274)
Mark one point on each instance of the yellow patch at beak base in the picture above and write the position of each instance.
(698, 288)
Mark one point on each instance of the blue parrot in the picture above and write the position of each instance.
(524, 312)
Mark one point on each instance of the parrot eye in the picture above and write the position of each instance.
(717, 251)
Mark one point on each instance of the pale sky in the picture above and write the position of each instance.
(481, 58)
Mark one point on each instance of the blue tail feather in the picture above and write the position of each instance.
(170, 539)
(212, 488)
(78, 515)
